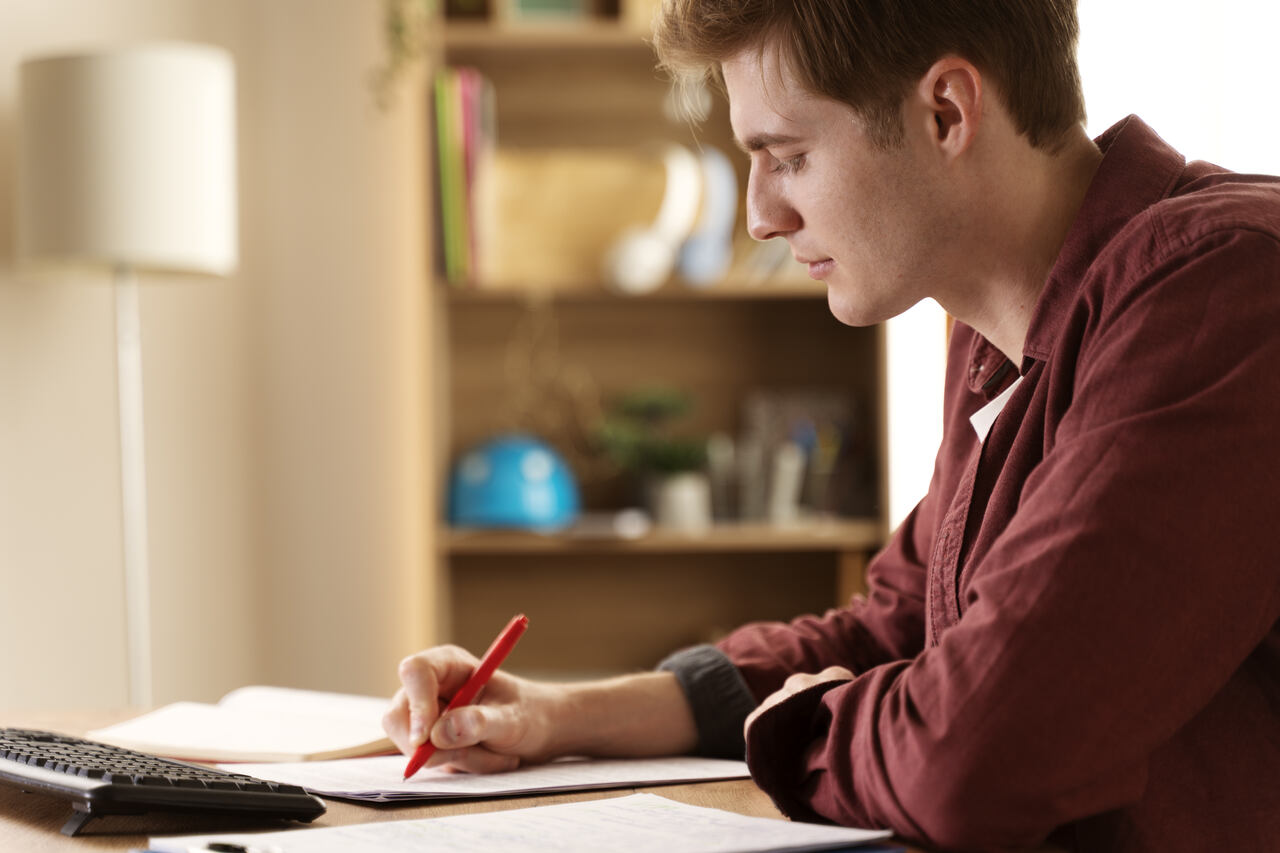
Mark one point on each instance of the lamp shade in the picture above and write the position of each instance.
(128, 157)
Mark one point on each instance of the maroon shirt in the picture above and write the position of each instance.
(1077, 627)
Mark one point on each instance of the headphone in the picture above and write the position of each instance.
(705, 256)
(643, 258)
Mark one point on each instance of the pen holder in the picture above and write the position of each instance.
(681, 501)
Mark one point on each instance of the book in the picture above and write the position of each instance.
(259, 724)
(637, 823)
(465, 132)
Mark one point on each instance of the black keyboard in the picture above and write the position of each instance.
(100, 779)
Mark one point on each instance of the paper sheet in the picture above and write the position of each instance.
(378, 779)
(639, 823)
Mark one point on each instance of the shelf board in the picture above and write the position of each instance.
(828, 535)
(668, 293)
(541, 35)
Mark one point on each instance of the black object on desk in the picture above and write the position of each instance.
(100, 779)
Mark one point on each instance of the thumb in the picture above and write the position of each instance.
(498, 727)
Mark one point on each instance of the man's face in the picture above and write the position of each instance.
(865, 220)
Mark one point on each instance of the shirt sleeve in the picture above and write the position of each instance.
(718, 697)
(1134, 581)
(887, 624)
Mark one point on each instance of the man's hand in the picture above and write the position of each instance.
(509, 723)
(515, 721)
(793, 685)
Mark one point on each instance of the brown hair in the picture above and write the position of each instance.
(868, 53)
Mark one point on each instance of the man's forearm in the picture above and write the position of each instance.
(645, 714)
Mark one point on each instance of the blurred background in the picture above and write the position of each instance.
(307, 415)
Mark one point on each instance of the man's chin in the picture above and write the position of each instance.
(851, 312)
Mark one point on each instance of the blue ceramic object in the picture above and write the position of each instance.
(513, 481)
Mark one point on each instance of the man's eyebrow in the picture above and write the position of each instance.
(763, 140)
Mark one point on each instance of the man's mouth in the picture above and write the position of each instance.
(819, 269)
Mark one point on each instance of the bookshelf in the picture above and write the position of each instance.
(545, 358)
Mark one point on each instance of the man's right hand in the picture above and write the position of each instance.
(516, 721)
(509, 724)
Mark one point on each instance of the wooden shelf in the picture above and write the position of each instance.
(675, 292)
(548, 351)
(549, 35)
(821, 536)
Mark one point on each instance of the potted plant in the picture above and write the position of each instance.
(639, 436)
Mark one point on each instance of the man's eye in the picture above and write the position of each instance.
(790, 164)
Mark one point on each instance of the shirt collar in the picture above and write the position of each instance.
(1137, 170)
(990, 371)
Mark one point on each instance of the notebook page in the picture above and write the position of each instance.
(211, 732)
(316, 703)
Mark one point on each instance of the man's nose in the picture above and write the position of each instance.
(769, 214)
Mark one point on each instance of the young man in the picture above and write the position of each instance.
(1075, 632)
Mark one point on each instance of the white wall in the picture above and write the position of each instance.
(342, 384)
(1201, 74)
(284, 405)
(915, 362)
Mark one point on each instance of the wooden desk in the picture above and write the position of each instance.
(32, 823)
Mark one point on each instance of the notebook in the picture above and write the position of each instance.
(259, 724)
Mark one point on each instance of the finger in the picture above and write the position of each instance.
(799, 681)
(833, 673)
(453, 666)
(428, 677)
(498, 727)
(395, 722)
(476, 759)
(421, 690)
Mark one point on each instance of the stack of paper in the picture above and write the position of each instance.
(640, 823)
(379, 779)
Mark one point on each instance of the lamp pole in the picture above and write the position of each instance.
(133, 485)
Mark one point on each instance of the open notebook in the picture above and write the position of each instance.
(259, 724)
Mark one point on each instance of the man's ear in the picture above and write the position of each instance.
(950, 97)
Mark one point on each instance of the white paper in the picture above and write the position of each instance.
(287, 700)
(639, 823)
(379, 779)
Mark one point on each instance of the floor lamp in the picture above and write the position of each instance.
(127, 162)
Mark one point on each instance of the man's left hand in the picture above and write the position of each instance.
(793, 685)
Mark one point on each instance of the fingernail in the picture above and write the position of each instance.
(417, 733)
(453, 729)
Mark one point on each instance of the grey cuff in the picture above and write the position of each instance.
(718, 696)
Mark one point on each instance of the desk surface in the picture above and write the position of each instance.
(32, 823)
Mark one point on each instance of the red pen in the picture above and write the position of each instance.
(491, 661)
